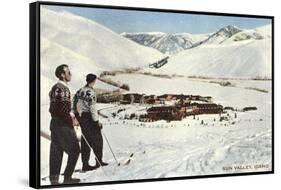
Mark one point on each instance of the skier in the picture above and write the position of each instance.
(84, 106)
(63, 137)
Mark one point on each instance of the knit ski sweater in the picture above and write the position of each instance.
(60, 102)
(85, 100)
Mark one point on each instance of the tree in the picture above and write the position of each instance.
(125, 87)
(113, 115)
(133, 115)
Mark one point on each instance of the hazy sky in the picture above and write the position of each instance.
(144, 21)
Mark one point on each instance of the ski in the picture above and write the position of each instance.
(128, 161)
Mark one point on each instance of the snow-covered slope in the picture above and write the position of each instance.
(244, 35)
(259, 33)
(221, 35)
(144, 38)
(184, 148)
(86, 46)
(265, 31)
(166, 43)
(230, 34)
(172, 44)
(250, 58)
(194, 38)
(175, 43)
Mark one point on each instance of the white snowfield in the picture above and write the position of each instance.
(265, 30)
(231, 52)
(87, 47)
(179, 148)
(245, 59)
(185, 148)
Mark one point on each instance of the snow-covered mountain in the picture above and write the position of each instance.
(230, 34)
(86, 46)
(74, 40)
(246, 59)
(244, 35)
(194, 38)
(221, 35)
(250, 34)
(175, 43)
(166, 43)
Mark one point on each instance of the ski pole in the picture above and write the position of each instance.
(118, 163)
(44, 178)
(94, 154)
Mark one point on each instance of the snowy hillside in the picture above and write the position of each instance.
(246, 59)
(86, 46)
(221, 35)
(194, 38)
(265, 31)
(230, 34)
(259, 33)
(166, 43)
(175, 43)
(244, 35)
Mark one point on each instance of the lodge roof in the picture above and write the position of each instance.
(162, 108)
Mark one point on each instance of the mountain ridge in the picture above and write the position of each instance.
(174, 43)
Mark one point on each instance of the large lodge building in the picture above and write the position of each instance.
(183, 105)
(179, 112)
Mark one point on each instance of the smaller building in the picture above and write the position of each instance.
(208, 108)
(164, 112)
(132, 98)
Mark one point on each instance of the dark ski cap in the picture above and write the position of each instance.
(90, 77)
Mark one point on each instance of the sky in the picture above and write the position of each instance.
(146, 21)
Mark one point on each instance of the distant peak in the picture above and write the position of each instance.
(231, 29)
(142, 33)
(228, 30)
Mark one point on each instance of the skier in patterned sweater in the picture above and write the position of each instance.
(63, 137)
(85, 108)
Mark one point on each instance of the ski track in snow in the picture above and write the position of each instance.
(183, 148)
(206, 154)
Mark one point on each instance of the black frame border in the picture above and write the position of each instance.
(34, 93)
